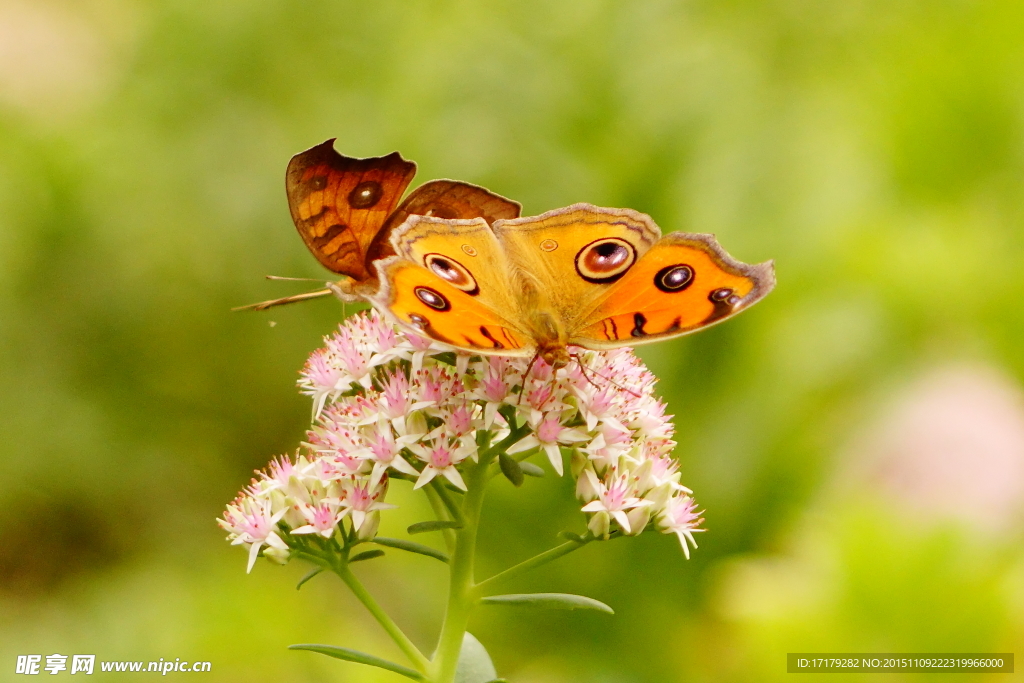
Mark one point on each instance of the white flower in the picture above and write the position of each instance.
(441, 457)
(323, 518)
(253, 523)
(387, 403)
(680, 517)
(363, 499)
(548, 435)
(614, 499)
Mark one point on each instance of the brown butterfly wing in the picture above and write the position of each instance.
(340, 204)
(444, 199)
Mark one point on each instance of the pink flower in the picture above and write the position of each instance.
(613, 500)
(323, 518)
(441, 457)
(363, 499)
(549, 434)
(253, 523)
(681, 518)
(387, 403)
(384, 449)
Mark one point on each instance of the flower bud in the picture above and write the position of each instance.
(277, 555)
(368, 529)
(638, 519)
(600, 524)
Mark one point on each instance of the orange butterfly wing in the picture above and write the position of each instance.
(449, 281)
(583, 275)
(683, 283)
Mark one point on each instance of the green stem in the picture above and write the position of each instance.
(462, 591)
(460, 585)
(442, 514)
(446, 497)
(515, 435)
(481, 589)
(407, 646)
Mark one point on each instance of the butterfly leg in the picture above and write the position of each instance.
(526, 377)
(583, 371)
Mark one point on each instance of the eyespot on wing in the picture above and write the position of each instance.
(684, 283)
(433, 307)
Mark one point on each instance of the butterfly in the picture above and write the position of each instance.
(346, 208)
(582, 275)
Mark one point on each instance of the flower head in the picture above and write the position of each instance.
(389, 404)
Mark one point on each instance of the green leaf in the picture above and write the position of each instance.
(548, 601)
(531, 470)
(412, 547)
(570, 536)
(511, 469)
(366, 555)
(359, 657)
(435, 525)
(509, 413)
(475, 664)
(448, 358)
(307, 577)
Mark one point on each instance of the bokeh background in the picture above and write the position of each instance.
(857, 439)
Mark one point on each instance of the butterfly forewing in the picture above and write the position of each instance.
(576, 253)
(450, 280)
(684, 283)
(339, 204)
(434, 308)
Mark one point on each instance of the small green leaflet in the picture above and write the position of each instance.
(435, 525)
(308, 576)
(411, 547)
(366, 555)
(548, 601)
(361, 658)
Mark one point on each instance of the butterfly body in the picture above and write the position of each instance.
(579, 276)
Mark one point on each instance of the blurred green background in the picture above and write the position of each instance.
(857, 439)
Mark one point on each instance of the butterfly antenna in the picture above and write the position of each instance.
(264, 305)
(526, 376)
(294, 279)
(583, 371)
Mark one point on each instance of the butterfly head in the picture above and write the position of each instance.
(557, 356)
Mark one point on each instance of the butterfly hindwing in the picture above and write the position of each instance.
(575, 253)
(339, 204)
(685, 282)
(444, 199)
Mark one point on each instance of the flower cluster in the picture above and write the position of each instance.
(389, 404)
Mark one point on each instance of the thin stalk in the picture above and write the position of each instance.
(407, 646)
(515, 435)
(481, 589)
(460, 585)
(446, 498)
(442, 514)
